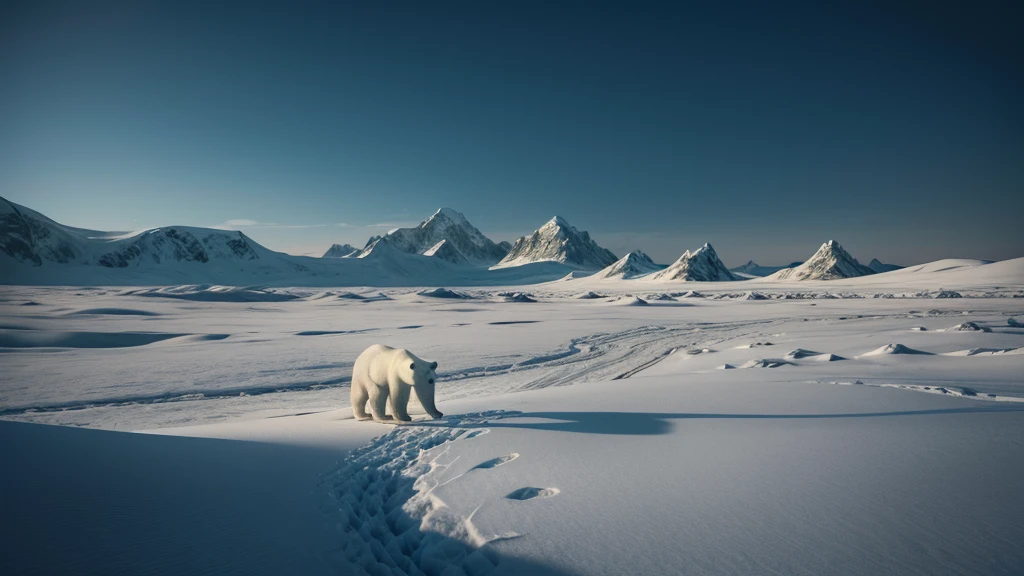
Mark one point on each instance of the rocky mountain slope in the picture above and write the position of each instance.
(701, 265)
(559, 241)
(631, 265)
(463, 243)
(879, 267)
(830, 262)
(341, 251)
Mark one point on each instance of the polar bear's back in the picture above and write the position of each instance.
(373, 365)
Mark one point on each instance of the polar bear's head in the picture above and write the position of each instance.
(424, 378)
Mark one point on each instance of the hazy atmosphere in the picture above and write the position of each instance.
(764, 129)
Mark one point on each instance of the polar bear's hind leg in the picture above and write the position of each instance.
(359, 397)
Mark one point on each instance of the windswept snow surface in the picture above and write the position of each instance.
(571, 424)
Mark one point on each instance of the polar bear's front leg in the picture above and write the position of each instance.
(379, 403)
(400, 399)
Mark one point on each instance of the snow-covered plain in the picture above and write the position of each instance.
(755, 427)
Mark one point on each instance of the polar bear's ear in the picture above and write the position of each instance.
(412, 366)
(433, 366)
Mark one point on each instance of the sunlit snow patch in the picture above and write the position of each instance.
(894, 348)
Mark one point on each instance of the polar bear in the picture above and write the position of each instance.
(381, 372)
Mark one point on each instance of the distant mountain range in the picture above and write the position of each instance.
(879, 268)
(754, 270)
(444, 249)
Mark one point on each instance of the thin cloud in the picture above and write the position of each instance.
(239, 223)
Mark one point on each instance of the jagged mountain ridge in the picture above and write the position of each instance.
(879, 267)
(701, 265)
(632, 265)
(341, 251)
(465, 244)
(559, 241)
(29, 237)
(754, 270)
(830, 262)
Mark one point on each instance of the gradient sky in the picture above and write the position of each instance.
(765, 128)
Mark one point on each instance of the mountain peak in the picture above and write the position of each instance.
(462, 243)
(701, 265)
(559, 241)
(632, 265)
(830, 262)
(341, 251)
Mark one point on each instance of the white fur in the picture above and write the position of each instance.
(383, 372)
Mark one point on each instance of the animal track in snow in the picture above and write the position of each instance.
(529, 493)
(495, 462)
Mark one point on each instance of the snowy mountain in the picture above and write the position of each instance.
(828, 263)
(341, 251)
(445, 250)
(631, 265)
(35, 250)
(879, 267)
(754, 270)
(30, 237)
(702, 265)
(464, 243)
(558, 241)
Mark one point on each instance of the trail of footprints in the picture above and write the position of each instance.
(381, 503)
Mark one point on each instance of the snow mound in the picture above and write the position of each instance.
(590, 296)
(918, 329)
(725, 367)
(628, 301)
(205, 293)
(800, 353)
(517, 297)
(558, 241)
(702, 265)
(948, 294)
(987, 352)
(830, 262)
(444, 293)
(660, 297)
(1014, 323)
(755, 344)
(691, 294)
(968, 327)
(755, 296)
(764, 363)
(632, 265)
(893, 348)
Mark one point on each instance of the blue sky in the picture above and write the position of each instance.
(764, 128)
